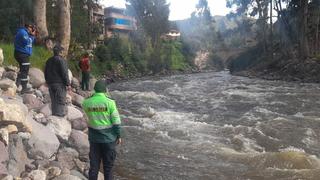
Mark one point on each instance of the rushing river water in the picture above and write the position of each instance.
(217, 126)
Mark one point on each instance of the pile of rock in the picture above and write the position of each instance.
(35, 145)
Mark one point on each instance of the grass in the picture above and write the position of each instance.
(37, 59)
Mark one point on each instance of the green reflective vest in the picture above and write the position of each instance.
(103, 118)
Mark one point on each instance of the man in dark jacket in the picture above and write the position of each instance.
(57, 78)
(22, 51)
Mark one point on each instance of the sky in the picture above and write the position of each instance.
(180, 9)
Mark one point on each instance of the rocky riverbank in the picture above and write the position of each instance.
(34, 145)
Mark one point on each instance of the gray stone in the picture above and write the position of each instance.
(77, 99)
(9, 177)
(10, 75)
(53, 172)
(11, 68)
(14, 112)
(75, 83)
(38, 93)
(36, 77)
(78, 174)
(46, 110)
(43, 142)
(79, 141)
(37, 175)
(74, 113)
(92, 82)
(4, 136)
(44, 89)
(66, 157)
(3, 158)
(24, 135)
(17, 156)
(32, 101)
(67, 177)
(79, 124)
(60, 126)
(6, 83)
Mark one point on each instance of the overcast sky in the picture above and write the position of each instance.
(180, 9)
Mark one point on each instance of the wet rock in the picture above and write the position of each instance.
(37, 175)
(73, 113)
(10, 75)
(36, 77)
(6, 83)
(67, 177)
(4, 157)
(43, 142)
(46, 110)
(79, 124)
(66, 157)
(14, 112)
(17, 156)
(32, 101)
(60, 126)
(79, 141)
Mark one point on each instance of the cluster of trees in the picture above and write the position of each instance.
(54, 19)
(296, 28)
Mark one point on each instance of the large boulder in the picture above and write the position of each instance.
(46, 110)
(76, 99)
(14, 112)
(66, 158)
(18, 158)
(4, 157)
(43, 142)
(79, 124)
(32, 101)
(74, 113)
(6, 83)
(36, 77)
(60, 126)
(10, 75)
(79, 141)
(67, 177)
(1, 57)
(37, 175)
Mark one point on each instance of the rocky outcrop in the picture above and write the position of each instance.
(36, 77)
(74, 113)
(60, 126)
(3, 158)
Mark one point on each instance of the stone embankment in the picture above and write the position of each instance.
(34, 145)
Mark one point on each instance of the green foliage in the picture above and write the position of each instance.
(38, 58)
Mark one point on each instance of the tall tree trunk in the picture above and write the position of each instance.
(39, 14)
(304, 46)
(271, 30)
(64, 25)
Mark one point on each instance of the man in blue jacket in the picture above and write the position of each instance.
(22, 51)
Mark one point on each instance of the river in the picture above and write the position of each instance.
(215, 126)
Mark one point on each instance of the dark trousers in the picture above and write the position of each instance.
(85, 81)
(58, 93)
(105, 152)
(24, 64)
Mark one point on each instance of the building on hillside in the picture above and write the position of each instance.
(97, 18)
(117, 23)
(171, 35)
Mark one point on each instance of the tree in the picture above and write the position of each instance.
(152, 16)
(39, 15)
(64, 32)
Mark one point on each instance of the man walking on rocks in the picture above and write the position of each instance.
(22, 51)
(57, 78)
(104, 131)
